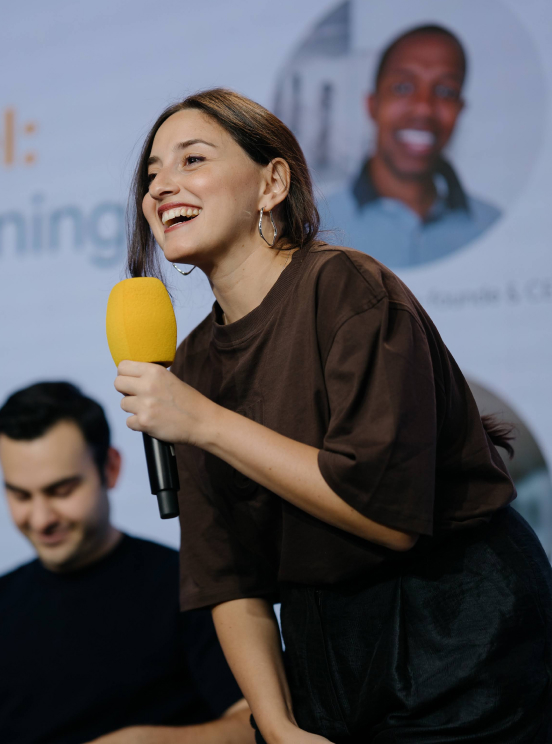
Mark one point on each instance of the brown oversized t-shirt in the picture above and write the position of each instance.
(340, 356)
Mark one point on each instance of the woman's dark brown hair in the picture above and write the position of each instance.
(263, 137)
(500, 432)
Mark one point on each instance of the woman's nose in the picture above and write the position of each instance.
(163, 185)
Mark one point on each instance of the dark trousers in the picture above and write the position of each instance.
(456, 646)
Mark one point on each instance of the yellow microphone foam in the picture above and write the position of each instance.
(140, 322)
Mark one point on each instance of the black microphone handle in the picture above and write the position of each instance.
(163, 475)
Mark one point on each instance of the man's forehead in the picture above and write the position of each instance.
(428, 50)
(36, 463)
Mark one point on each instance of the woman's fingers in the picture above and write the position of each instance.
(130, 404)
(133, 376)
(127, 368)
(143, 386)
(127, 385)
(161, 404)
(133, 423)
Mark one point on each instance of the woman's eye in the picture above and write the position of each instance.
(151, 176)
(193, 159)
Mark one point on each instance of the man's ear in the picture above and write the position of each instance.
(276, 184)
(112, 468)
(371, 102)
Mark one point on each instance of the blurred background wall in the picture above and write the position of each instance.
(82, 83)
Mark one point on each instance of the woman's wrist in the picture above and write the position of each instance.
(209, 429)
(278, 732)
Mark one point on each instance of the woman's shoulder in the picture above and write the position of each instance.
(354, 278)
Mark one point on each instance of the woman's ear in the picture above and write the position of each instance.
(276, 184)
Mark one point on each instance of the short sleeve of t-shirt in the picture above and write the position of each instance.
(215, 563)
(379, 450)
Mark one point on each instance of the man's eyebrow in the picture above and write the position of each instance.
(50, 488)
(10, 487)
(410, 71)
(63, 482)
(455, 75)
(182, 146)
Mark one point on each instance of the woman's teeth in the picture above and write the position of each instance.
(186, 213)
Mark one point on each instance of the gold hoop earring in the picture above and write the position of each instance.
(273, 226)
(184, 273)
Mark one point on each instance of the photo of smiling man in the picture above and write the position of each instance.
(407, 205)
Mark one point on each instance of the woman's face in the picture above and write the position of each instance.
(204, 191)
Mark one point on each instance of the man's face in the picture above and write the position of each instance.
(56, 496)
(417, 103)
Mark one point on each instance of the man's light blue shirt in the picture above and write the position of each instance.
(394, 234)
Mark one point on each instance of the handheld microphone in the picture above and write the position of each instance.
(141, 326)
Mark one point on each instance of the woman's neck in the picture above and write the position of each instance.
(241, 282)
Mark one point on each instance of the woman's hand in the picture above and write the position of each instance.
(295, 735)
(303, 737)
(162, 405)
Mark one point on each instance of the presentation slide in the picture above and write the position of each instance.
(86, 82)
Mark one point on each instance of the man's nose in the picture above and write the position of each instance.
(42, 515)
(424, 101)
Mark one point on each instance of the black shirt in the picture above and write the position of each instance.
(340, 356)
(92, 651)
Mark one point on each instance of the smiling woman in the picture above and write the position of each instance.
(232, 126)
(331, 455)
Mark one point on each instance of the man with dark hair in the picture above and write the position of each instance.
(407, 205)
(92, 643)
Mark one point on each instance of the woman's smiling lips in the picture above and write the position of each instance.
(174, 215)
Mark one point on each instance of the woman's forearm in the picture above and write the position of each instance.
(214, 732)
(170, 410)
(250, 638)
(290, 469)
(232, 728)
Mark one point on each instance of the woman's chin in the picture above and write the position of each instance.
(176, 256)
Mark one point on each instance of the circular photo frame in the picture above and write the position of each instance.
(528, 467)
(421, 121)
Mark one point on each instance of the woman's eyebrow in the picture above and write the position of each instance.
(181, 146)
(190, 142)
